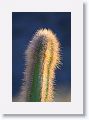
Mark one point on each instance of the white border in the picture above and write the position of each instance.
(76, 104)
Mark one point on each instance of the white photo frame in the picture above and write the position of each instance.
(76, 104)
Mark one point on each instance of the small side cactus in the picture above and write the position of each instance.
(42, 58)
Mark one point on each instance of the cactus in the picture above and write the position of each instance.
(42, 58)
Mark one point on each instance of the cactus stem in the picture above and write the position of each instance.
(42, 58)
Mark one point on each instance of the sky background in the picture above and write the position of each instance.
(24, 25)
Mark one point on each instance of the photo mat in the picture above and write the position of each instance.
(8, 94)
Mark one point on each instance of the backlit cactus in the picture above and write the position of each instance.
(42, 58)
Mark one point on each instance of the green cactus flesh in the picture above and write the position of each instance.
(34, 94)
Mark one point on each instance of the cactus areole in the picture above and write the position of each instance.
(42, 58)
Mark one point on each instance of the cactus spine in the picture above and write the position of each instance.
(42, 58)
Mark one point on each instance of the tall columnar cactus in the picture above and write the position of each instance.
(42, 58)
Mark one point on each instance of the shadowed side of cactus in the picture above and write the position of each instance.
(42, 58)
